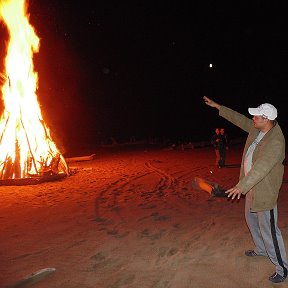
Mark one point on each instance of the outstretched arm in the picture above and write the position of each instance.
(211, 103)
(232, 116)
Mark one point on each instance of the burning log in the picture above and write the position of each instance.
(17, 167)
(7, 170)
(33, 180)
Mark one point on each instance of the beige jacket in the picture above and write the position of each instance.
(266, 174)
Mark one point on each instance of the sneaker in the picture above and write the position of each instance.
(277, 278)
(251, 253)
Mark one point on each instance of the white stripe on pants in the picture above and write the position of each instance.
(266, 235)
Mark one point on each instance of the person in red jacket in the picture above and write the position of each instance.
(215, 141)
(223, 147)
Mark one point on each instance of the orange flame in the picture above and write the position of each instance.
(26, 147)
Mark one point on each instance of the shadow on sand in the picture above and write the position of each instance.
(233, 166)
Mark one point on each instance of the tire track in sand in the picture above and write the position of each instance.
(108, 197)
(167, 183)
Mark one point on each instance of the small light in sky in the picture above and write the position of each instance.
(210, 65)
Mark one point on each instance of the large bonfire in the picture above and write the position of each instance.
(26, 147)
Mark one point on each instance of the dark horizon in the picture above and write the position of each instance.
(139, 69)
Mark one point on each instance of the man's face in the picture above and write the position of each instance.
(259, 122)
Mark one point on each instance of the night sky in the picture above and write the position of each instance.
(141, 68)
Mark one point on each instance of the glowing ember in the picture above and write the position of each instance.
(26, 147)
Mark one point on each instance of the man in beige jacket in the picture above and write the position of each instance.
(260, 180)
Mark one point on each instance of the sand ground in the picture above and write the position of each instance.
(130, 218)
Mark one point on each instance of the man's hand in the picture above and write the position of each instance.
(234, 192)
(211, 102)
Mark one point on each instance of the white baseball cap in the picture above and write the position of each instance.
(267, 110)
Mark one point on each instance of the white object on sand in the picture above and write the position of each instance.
(33, 278)
(80, 158)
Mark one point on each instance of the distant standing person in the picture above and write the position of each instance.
(223, 147)
(215, 141)
(261, 177)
